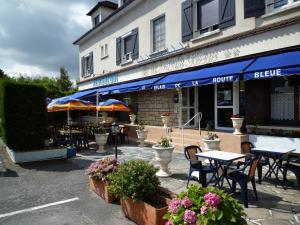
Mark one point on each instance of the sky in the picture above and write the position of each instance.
(36, 36)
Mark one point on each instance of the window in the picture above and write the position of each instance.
(104, 51)
(208, 15)
(159, 33)
(127, 47)
(96, 20)
(87, 65)
(275, 5)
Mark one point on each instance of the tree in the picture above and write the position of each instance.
(63, 82)
(2, 75)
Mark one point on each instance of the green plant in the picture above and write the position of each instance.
(141, 126)
(100, 169)
(164, 142)
(99, 129)
(23, 115)
(207, 206)
(211, 136)
(135, 179)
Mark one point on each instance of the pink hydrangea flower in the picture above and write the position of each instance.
(203, 210)
(186, 202)
(189, 216)
(174, 205)
(212, 199)
(169, 223)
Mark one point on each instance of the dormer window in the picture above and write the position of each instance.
(96, 20)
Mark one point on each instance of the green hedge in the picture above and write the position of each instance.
(23, 115)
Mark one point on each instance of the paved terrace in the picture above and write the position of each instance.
(33, 184)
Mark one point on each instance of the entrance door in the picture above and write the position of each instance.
(189, 105)
(226, 104)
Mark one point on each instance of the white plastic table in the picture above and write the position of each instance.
(276, 154)
(221, 159)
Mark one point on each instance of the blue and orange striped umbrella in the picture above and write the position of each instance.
(113, 105)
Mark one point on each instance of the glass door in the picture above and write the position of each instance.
(189, 106)
(226, 104)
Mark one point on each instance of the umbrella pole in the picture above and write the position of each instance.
(97, 103)
(68, 118)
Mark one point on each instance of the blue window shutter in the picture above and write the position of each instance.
(187, 20)
(91, 67)
(135, 45)
(226, 13)
(118, 51)
(278, 3)
(82, 66)
(254, 8)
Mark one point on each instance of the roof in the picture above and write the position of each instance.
(107, 4)
(104, 21)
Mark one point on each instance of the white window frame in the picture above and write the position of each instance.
(87, 71)
(270, 6)
(104, 51)
(128, 57)
(152, 34)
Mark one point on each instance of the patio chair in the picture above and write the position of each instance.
(124, 134)
(196, 165)
(293, 165)
(238, 175)
(246, 147)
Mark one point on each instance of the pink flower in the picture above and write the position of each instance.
(174, 205)
(189, 216)
(169, 223)
(212, 199)
(186, 202)
(203, 210)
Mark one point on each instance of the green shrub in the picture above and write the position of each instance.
(135, 179)
(23, 115)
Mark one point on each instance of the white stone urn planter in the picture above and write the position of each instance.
(210, 145)
(101, 140)
(163, 155)
(165, 120)
(237, 123)
(132, 118)
(142, 135)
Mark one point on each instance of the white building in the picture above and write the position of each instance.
(195, 56)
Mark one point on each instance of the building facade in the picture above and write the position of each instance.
(217, 57)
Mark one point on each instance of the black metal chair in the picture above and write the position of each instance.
(196, 165)
(246, 147)
(293, 165)
(239, 175)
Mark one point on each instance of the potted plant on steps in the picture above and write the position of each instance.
(141, 134)
(211, 142)
(237, 123)
(165, 117)
(163, 155)
(100, 136)
(208, 206)
(98, 177)
(141, 198)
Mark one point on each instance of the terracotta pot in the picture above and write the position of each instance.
(100, 188)
(144, 214)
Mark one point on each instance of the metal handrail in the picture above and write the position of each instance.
(199, 115)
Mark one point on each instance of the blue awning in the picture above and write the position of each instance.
(283, 64)
(217, 74)
(84, 94)
(129, 87)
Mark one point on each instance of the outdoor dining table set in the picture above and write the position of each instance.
(240, 168)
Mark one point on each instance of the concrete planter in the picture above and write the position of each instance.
(165, 120)
(32, 156)
(163, 156)
(101, 189)
(210, 145)
(144, 214)
(276, 142)
(237, 123)
(101, 140)
(142, 135)
(132, 118)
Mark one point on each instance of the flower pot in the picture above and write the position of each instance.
(163, 156)
(144, 214)
(237, 123)
(132, 118)
(100, 188)
(142, 135)
(210, 145)
(101, 140)
(165, 120)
